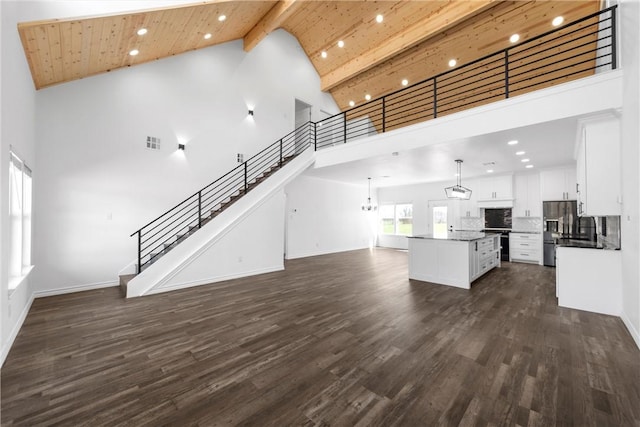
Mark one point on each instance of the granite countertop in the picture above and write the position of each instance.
(586, 244)
(461, 236)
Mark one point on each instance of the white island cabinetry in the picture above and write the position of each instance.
(456, 260)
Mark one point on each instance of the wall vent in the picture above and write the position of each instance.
(153, 143)
(240, 158)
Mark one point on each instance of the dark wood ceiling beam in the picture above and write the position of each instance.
(450, 15)
(271, 21)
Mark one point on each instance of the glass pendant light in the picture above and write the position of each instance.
(368, 206)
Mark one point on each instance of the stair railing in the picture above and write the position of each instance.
(575, 50)
(165, 232)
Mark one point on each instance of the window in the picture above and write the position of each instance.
(396, 219)
(20, 196)
(440, 222)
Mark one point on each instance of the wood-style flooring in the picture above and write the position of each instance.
(342, 339)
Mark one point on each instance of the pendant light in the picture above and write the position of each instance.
(458, 191)
(368, 206)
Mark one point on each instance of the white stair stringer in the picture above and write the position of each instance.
(158, 276)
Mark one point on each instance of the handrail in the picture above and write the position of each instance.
(550, 58)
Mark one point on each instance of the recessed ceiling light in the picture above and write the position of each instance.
(222, 18)
(405, 82)
(379, 19)
(367, 97)
(142, 31)
(524, 160)
(323, 54)
(340, 43)
(134, 52)
(514, 38)
(351, 103)
(558, 20)
(489, 170)
(452, 62)
(519, 153)
(513, 142)
(207, 36)
(529, 166)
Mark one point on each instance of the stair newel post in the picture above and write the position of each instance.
(139, 252)
(280, 152)
(200, 209)
(245, 177)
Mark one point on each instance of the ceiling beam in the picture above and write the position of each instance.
(450, 15)
(269, 22)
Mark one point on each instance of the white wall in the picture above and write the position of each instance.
(255, 245)
(17, 131)
(326, 216)
(97, 181)
(630, 224)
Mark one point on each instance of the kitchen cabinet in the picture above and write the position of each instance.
(525, 247)
(527, 196)
(469, 208)
(558, 184)
(494, 188)
(598, 167)
(456, 260)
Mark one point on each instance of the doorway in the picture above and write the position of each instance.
(303, 115)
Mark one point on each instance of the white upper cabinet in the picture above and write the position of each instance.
(598, 167)
(558, 184)
(495, 188)
(527, 192)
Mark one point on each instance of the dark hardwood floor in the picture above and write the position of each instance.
(342, 339)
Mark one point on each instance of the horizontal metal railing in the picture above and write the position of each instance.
(575, 50)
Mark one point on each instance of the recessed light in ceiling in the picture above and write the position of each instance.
(142, 31)
(134, 52)
(519, 153)
(222, 18)
(489, 170)
(557, 21)
(405, 82)
(367, 97)
(351, 103)
(452, 62)
(514, 38)
(524, 160)
(323, 54)
(379, 19)
(340, 43)
(529, 166)
(207, 36)
(513, 142)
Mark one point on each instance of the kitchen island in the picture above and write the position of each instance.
(455, 259)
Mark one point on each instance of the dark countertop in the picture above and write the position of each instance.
(586, 244)
(460, 236)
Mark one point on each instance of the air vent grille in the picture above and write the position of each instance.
(153, 143)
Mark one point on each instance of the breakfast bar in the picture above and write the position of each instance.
(455, 259)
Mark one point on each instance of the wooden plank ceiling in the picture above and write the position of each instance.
(413, 41)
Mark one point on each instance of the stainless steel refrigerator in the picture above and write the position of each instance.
(561, 221)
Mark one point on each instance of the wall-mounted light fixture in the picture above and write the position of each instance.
(181, 147)
(251, 113)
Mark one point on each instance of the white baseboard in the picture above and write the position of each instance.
(211, 280)
(634, 333)
(323, 252)
(78, 288)
(14, 332)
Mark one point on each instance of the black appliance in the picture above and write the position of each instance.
(561, 221)
(497, 218)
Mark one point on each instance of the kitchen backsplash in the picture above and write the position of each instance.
(608, 231)
(471, 223)
(527, 224)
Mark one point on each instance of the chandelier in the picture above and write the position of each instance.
(458, 191)
(368, 206)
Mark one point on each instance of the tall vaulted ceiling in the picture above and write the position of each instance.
(413, 41)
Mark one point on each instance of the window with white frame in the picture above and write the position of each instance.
(396, 219)
(20, 200)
